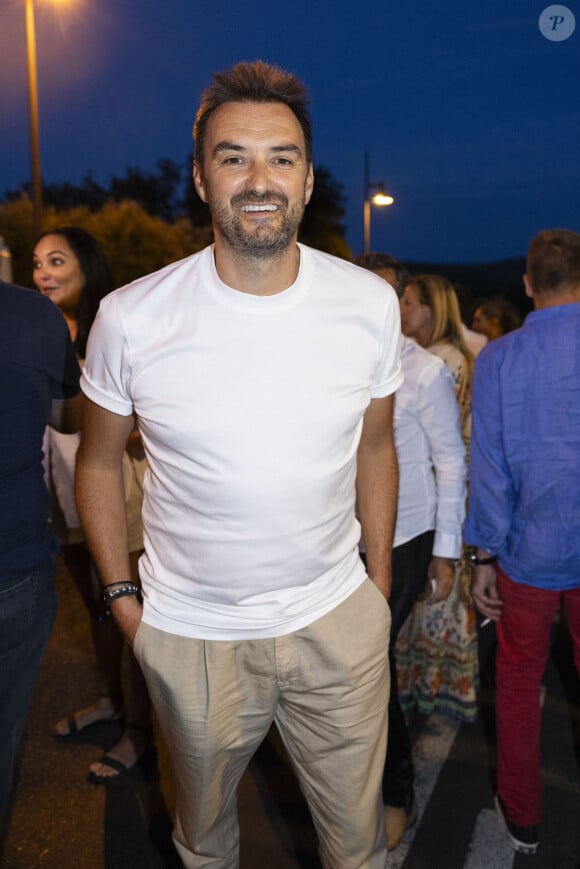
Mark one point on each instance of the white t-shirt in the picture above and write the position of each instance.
(250, 409)
(431, 453)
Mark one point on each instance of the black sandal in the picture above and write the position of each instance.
(73, 726)
(146, 760)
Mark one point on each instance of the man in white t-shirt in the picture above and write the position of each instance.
(262, 375)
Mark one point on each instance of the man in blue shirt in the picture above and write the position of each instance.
(524, 511)
(39, 377)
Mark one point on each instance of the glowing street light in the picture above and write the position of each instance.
(380, 198)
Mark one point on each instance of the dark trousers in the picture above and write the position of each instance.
(410, 563)
(27, 611)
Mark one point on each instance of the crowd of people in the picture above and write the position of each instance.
(276, 443)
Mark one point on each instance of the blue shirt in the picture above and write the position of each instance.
(37, 365)
(524, 501)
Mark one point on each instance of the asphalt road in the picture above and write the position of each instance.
(59, 820)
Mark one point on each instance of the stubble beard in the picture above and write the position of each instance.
(264, 240)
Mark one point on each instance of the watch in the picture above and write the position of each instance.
(489, 559)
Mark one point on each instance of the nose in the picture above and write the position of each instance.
(41, 275)
(42, 272)
(258, 178)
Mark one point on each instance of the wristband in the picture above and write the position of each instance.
(119, 589)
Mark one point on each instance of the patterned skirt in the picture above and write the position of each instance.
(436, 653)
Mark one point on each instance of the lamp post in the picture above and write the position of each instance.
(33, 113)
(380, 198)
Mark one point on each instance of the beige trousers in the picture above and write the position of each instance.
(326, 687)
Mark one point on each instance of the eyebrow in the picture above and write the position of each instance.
(232, 146)
(51, 253)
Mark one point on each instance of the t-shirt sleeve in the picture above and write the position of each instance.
(389, 372)
(106, 373)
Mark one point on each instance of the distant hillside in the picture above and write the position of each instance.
(481, 279)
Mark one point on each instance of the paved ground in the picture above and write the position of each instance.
(61, 821)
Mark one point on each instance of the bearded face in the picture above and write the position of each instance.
(255, 177)
(260, 225)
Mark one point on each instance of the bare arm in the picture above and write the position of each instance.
(442, 571)
(377, 483)
(100, 496)
(484, 589)
(65, 416)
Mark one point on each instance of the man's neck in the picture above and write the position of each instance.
(551, 300)
(255, 275)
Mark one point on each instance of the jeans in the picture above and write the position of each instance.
(410, 563)
(27, 612)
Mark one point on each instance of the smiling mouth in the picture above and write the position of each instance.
(259, 208)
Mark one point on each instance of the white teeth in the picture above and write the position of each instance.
(259, 207)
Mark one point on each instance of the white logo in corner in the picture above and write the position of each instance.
(557, 23)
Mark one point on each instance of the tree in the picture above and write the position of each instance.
(17, 229)
(158, 194)
(322, 225)
(135, 243)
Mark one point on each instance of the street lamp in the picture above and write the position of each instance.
(33, 112)
(380, 198)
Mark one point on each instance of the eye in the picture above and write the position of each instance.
(283, 161)
(233, 160)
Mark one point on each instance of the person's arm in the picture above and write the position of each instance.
(491, 489)
(100, 498)
(66, 415)
(438, 413)
(377, 483)
(66, 409)
(484, 588)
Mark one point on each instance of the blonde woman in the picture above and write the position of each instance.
(430, 314)
(437, 648)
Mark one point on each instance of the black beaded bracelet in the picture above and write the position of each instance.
(123, 582)
(488, 560)
(119, 589)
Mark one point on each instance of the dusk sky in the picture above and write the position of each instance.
(469, 114)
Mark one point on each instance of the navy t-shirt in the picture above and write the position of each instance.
(37, 365)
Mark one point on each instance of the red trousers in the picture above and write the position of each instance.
(523, 633)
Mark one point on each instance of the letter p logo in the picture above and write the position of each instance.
(557, 23)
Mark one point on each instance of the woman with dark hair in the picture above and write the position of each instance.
(496, 317)
(69, 267)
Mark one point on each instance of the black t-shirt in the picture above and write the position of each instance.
(37, 365)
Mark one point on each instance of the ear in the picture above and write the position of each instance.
(198, 181)
(309, 184)
(528, 287)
